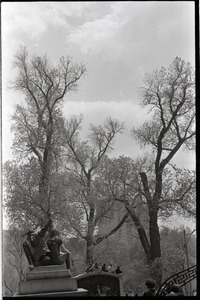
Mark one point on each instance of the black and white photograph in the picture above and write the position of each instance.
(98, 158)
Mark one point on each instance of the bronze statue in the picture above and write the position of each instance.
(35, 248)
(59, 254)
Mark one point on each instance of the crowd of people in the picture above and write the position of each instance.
(174, 290)
(95, 267)
(150, 291)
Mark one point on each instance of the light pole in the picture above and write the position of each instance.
(186, 251)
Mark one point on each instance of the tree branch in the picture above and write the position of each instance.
(100, 239)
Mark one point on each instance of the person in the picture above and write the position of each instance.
(104, 268)
(175, 290)
(110, 269)
(35, 247)
(89, 268)
(194, 293)
(59, 254)
(96, 267)
(150, 284)
(100, 268)
(118, 270)
(92, 267)
(98, 290)
(162, 292)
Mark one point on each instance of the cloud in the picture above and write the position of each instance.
(119, 41)
(95, 35)
(139, 29)
(31, 19)
(131, 31)
(127, 40)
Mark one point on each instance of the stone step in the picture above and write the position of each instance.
(79, 293)
(47, 285)
(47, 274)
(49, 268)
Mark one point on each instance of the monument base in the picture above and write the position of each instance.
(48, 285)
(79, 293)
(50, 281)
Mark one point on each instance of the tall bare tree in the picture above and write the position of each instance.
(38, 122)
(83, 159)
(153, 187)
(170, 96)
(120, 182)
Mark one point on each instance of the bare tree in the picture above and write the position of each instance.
(155, 186)
(82, 160)
(169, 93)
(122, 183)
(38, 123)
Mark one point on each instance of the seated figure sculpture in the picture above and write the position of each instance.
(59, 254)
(35, 248)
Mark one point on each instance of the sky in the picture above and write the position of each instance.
(118, 41)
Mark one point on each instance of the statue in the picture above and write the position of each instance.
(35, 248)
(59, 254)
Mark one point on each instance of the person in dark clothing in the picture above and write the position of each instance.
(118, 271)
(150, 284)
(89, 268)
(35, 248)
(59, 254)
(104, 268)
(96, 267)
(175, 290)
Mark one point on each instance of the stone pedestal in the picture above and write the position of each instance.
(49, 281)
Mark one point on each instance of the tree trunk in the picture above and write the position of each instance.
(45, 174)
(156, 264)
(141, 232)
(44, 187)
(154, 234)
(155, 270)
(89, 254)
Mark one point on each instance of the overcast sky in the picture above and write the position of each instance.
(117, 41)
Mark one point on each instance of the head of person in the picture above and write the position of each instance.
(53, 233)
(163, 292)
(176, 289)
(150, 283)
(32, 237)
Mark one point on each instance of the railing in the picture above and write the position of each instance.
(180, 278)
